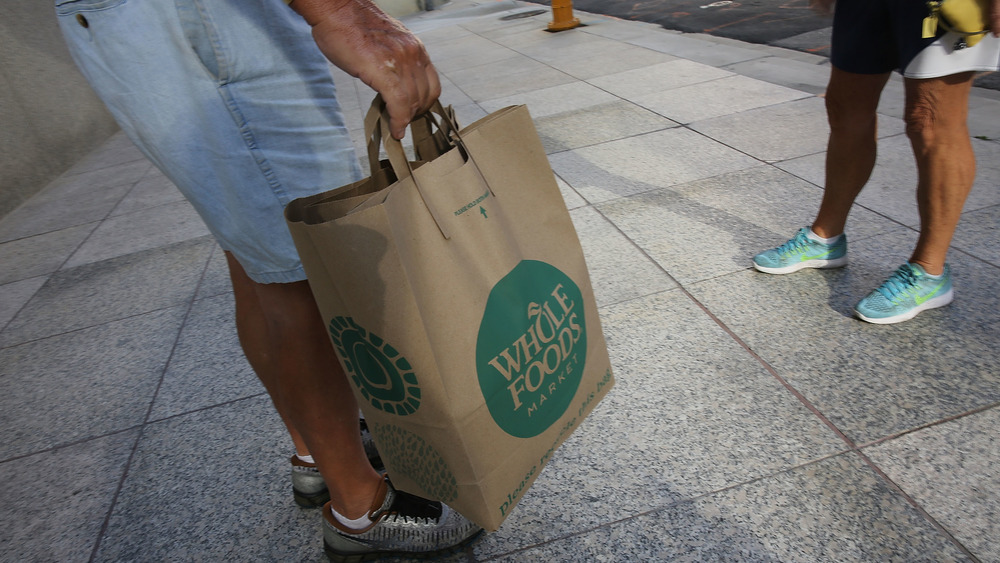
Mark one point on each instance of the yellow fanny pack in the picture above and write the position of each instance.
(968, 18)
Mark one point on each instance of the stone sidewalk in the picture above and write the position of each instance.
(753, 418)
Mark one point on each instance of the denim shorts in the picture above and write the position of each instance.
(231, 99)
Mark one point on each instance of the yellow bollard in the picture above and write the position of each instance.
(562, 16)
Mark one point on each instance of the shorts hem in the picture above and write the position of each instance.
(288, 276)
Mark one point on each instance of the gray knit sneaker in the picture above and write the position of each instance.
(309, 488)
(402, 525)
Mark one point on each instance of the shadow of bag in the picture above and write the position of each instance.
(458, 300)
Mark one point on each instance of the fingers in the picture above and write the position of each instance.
(416, 86)
(363, 40)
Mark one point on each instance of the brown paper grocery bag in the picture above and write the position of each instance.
(458, 300)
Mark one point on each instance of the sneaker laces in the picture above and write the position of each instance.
(796, 244)
(411, 508)
(898, 283)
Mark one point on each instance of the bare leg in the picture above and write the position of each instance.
(284, 339)
(851, 104)
(936, 123)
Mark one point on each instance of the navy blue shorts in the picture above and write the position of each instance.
(877, 36)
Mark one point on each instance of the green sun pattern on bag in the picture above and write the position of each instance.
(531, 348)
(382, 375)
(415, 458)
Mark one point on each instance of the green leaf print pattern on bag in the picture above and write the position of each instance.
(532, 347)
(414, 457)
(382, 374)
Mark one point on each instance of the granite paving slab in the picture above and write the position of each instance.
(951, 470)
(871, 381)
(208, 366)
(596, 124)
(458, 53)
(14, 295)
(774, 133)
(555, 100)
(723, 96)
(55, 501)
(619, 271)
(118, 149)
(836, 509)
(72, 200)
(145, 229)
(151, 190)
(977, 234)
(984, 109)
(216, 280)
(809, 76)
(570, 197)
(655, 79)
(696, 47)
(598, 57)
(507, 78)
(645, 162)
(113, 289)
(212, 486)
(85, 383)
(40, 254)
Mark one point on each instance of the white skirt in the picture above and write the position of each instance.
(941, 59)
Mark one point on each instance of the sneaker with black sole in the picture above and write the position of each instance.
(802, 251)
(401, 525)
(908, 291)
(308, 487)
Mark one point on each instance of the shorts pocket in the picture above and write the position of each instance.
(70, 7)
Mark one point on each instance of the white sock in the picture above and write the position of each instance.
(812, 235)
(356, 524)
(305, 458)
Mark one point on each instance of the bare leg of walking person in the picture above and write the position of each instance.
(285, 341)
(851, 105)
(936, 114)
(937, 125)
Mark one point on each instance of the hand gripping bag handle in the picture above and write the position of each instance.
(377, 132)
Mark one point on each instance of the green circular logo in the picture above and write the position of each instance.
(382, 374)
(532, 348)
(415, 458)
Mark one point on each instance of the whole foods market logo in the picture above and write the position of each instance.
(382, 375)
(532, 347)
(416, 459)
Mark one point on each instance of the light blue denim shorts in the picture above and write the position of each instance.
(231, 99)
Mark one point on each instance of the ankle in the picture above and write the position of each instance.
(932, 269)
(353, 503)
(823, 236)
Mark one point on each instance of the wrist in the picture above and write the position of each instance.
(317, 11)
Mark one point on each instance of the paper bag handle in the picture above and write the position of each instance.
(377, 132)
(422, 125)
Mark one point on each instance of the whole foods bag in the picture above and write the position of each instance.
(458, 300)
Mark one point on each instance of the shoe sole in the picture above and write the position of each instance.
(817, 264)
(939, 301)
(338, 557)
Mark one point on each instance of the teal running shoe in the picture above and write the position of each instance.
(802, 252)
(907, 292)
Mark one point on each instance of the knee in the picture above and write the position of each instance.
(929, 122)
(922, 122)
(848, 116)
